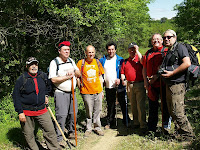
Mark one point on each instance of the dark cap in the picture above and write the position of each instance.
(64, 43)
(30, 60)
(131, 45)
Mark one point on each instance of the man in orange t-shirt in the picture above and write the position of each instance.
(91, 88)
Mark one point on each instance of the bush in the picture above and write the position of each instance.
(7, 110)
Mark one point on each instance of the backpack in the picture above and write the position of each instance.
(82, 66)
(193, 71)
(53, 87)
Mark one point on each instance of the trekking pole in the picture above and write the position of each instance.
(74, 110)
(161, 99)
(126, 101)
(116, 104)
(63, 135)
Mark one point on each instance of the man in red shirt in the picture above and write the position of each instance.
(151, 63)
(131, 75)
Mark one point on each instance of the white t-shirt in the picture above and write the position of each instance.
(63, 69)
(110, 72)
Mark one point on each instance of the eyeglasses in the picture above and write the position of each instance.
(168, 37)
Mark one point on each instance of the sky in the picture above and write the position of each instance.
(163, 8)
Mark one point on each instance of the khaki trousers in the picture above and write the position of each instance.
(136, 94)
(175, 103)
(49, 133)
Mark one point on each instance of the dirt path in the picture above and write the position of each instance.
(106, 142)
(110, 140)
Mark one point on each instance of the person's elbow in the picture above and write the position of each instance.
(187, 62)
(53, 80)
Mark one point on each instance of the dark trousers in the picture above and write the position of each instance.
(111, 110)
(153, 110)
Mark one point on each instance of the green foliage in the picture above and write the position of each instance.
(7, 111)
(187, 19)
(35, 27)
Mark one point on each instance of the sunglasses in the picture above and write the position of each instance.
(167, 37)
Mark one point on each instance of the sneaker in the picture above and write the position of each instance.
(62, 143)
(87, 133)
(99, 132)
(107, 127)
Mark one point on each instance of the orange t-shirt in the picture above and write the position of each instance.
(90, 75)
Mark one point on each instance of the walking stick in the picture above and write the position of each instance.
(116, 104)
(58, 125)
(161, 99)
(74, 110)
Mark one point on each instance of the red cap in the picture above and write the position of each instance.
(64, 43)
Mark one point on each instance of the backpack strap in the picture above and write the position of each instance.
(24, 82)
(125, 61)
(82, 66)
(58, 64)
(98, 64)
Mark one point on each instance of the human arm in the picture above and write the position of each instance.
(185, 64)
(101, 81)
(123, 78)
(138, 53)
(144, 73)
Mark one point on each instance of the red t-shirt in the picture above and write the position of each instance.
(153, 62)
(132, 69)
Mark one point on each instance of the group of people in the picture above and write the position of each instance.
(132, 77)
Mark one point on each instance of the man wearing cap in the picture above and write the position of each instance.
(91, 90)
(30, 96)
(151, 63)
(131, 74)
(112, 77)
(62, 71)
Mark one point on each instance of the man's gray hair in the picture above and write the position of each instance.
(170, 31)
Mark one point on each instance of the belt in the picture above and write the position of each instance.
(33, 108)
(132, 82)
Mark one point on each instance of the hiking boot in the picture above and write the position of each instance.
(71, 135)
(62, 143)
(87, 133)
(107, 127)
(99, 132)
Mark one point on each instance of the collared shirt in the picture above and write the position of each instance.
(132, 69)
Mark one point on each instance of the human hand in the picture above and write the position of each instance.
(70, 73)
(146, 85)
(102, 94)
(136, 47)
(167, 74)
(22, 117)
(46, 100)
(124, 82)
(117, 82)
